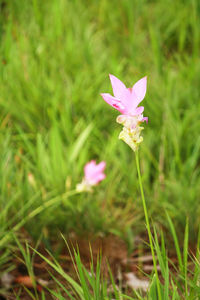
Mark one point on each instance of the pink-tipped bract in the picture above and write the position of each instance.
(126, 100)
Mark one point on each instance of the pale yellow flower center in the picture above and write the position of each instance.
(130, 133)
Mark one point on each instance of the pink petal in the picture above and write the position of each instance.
(128, 99)
(100, 167)
(113, 102)
(139, 110)
(140, 88)
(117, 86)
(145, 119)
(99, 178)
(97, 170)
(89, 167)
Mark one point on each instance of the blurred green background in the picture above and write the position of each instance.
(55, 58)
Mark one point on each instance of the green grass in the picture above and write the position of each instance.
(177, 281)
(55, 59)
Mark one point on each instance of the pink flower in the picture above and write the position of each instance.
(126, 100)
(94, 172)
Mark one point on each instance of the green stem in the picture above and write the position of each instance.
(147, 223)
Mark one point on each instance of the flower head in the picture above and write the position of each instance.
(126, 100)
(93, 174)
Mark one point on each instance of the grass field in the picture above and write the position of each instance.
(55, 59)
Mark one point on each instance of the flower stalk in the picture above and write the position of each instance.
(147, 223)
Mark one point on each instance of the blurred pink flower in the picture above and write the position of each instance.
(93, 174)
(125, 99)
